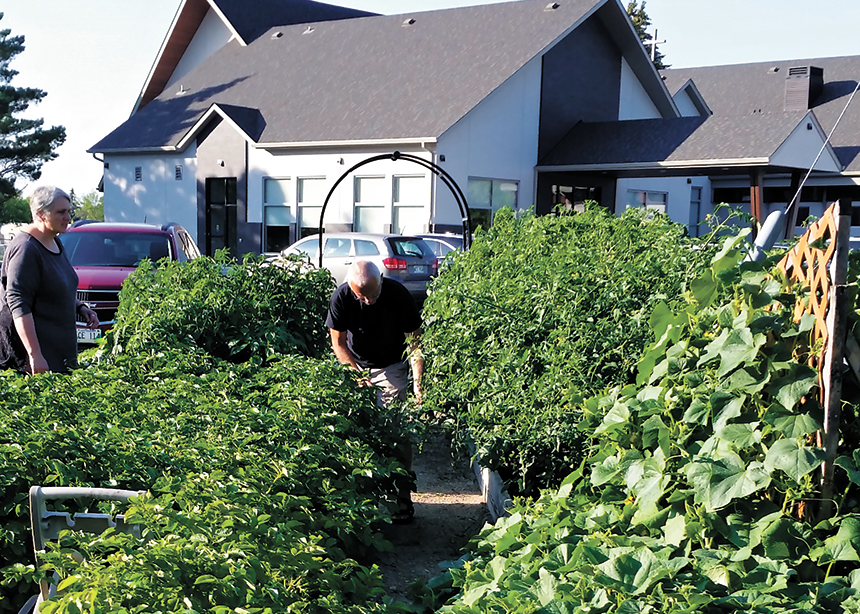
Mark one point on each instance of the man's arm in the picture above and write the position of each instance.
(343, 354)
(416, 359)
(341, 349)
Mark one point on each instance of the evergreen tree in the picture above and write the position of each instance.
(24, 144)
(641, 21)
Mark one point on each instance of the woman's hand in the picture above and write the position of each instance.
(89, 316)
(38, 364)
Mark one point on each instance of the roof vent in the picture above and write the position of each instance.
(773, 70)
(182, 90)
(552, 6)
(803, 86)
(408, 22)
(308, 31)
(277, 35)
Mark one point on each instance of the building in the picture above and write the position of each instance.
(252, 115)
(243, 144)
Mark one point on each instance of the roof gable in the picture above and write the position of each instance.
(805, 147)
(759, 89)
(246, 19)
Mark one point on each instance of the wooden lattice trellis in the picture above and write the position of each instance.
(820, 262)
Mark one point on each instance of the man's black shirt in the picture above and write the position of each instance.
(375, 333)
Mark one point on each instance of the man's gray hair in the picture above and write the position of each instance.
(43, 197)
(362, 273)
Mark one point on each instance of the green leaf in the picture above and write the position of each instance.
(783, 541)
(740, 347)
(791, 387)
(851, 465)
(719, 482)
(704, 289)
(546, 587)
(844, 546)
(793, 458)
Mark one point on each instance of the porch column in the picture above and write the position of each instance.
(756, 196)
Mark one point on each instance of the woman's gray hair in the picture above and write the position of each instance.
(43, 197)
(362, 273)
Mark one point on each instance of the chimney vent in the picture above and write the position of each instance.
(803, 86)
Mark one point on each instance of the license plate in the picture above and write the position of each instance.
(88, 335)
(419, 268)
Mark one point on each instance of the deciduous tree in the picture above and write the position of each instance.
(90, 207)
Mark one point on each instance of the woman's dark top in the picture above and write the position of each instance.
(375, 333)
(35, 280)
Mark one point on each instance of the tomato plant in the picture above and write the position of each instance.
(700, 484)
(539, 313)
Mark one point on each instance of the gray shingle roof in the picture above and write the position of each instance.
(745, 89)
(684, 139)
(372, 78)
(253, 20)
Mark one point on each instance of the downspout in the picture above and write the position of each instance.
(435, 159)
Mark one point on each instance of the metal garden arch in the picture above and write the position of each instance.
(434, 168)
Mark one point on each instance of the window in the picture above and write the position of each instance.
(365, 248)
(371, 198)
(277, 214)
(486, 196)
(221, 214)
(731, 196)
(649, 200)
(310, 197)
(695, 211)
(410, 215)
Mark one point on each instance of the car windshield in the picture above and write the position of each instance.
(114, 248)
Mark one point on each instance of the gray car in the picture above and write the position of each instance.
(406, 259)
(442, 243)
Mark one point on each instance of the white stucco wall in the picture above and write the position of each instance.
(209, 38)
(159, 197)
(634, 102)
(498, 139)
(331, 165)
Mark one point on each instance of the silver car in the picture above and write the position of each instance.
(442, 243)
(406, 259)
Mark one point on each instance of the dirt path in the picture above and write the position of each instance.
(448, 511)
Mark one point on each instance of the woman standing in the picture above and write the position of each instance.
(38, 289)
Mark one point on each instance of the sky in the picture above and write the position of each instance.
(93, 56)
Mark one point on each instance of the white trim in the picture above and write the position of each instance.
(657, 165)
(421, 142)
(198, 125)
(227, 23)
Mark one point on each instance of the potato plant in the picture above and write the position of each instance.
(700, 490)
(539, 313)
(264, 476)
(230, 310)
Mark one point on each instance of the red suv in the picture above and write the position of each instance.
(105, 253)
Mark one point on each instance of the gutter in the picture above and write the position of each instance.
(731, 163)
